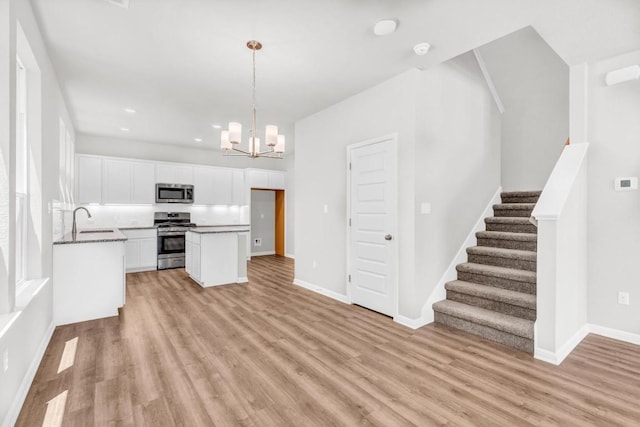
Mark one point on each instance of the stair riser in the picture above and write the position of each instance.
(519, 264)
(508, 244)
(520, 213)
(512, 228)
(519, 343)
(498, 306)
(498, 282)
(507, 199)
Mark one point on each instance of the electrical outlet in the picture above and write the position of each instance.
(5, 360)
(623, 298)
(257, 241)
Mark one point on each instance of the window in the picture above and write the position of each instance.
(22, 204)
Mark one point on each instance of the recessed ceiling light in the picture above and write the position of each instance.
(385, 27)
(124, 129)
(216, 126)
(197, 139)
(129, 110)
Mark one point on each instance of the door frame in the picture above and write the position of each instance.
(393, 138)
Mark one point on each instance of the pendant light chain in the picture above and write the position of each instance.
(253, 126)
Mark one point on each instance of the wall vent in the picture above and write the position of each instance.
(122, 3)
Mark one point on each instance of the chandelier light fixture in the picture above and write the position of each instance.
(231, 137)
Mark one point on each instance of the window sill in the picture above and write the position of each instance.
(27, 291)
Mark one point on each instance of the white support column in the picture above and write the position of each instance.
(579, 103)
(7, 154)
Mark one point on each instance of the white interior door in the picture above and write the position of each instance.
(372, 219)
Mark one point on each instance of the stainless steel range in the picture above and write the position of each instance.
(172, 227)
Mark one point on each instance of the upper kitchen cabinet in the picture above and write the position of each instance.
(213, 186)
(239, 190)
(265, 179)
(128, 182)
(89, 179)
(174, 174)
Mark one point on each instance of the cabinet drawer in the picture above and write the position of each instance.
(140, 233)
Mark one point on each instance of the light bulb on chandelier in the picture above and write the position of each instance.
(230, 139)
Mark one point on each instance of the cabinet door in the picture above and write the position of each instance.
(188, 255)
(239, 190)
(148, 252)
(196, 261)
(89, 180)
(258, 178)
(144, 183)
(276, 180)
(132, 254)
(222, 186)
(174, 174)
(203, 186)
(117, 181)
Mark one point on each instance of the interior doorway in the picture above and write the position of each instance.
(267, 222)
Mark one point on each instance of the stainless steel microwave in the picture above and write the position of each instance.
(174, 193)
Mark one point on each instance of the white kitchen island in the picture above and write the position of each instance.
(88, 275)
(217, 255)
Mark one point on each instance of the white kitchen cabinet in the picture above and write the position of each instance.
(144, 183)
(89, 179)
(265, 179)
(89, 281)
(239, 194)
(128, 182)
(118, 177)
(141, 249)
(216, 256)
(174, 174)
(222, 186)
(203, 182)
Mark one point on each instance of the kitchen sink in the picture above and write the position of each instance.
(96, 231)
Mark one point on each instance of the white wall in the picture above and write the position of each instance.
(321, 177)
(263, 221)
(26, 335)
(613, 217)
(290, 211)
(449, 156)
(533, 84)
(457, 167)
(117, 147)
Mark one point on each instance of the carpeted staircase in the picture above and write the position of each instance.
(495, 294)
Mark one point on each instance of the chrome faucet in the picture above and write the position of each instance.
(74, 228)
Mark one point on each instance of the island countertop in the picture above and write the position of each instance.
(88, 235)
(220, 229)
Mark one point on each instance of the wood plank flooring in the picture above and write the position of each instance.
(269, 353)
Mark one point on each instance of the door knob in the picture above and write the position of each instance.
(388, 237)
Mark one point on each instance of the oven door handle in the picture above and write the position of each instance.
(172, 233)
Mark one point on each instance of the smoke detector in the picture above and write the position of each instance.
(385, 27)
(421, 49)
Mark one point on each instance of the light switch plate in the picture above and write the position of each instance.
(629, 183)
(425, 208)
(623, 298)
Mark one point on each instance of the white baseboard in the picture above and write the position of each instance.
(25, 385)
(409, 322)
(629, 337)
(439, 293)
(326, 292)
(556, 358)
(292, 256)
(263, 253)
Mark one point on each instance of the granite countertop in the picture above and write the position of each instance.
(220, 229)
(88, 236)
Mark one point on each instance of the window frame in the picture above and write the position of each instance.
(22, 176)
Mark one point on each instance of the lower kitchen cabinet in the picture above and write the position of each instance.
(216, 257)
(141, 249)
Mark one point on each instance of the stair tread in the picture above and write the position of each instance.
(527, 193)
(502, 272)
(502, 322)
(514, 206)
(508, 220)
(507, 235)
(502, 252)
(506, 296)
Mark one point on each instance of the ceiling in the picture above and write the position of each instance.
(183, 64)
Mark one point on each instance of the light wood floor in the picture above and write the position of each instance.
(269, 353)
